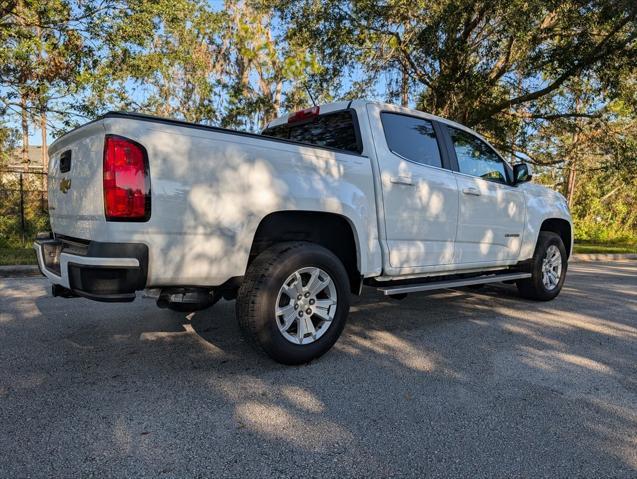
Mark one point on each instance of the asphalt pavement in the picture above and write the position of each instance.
(456, 383)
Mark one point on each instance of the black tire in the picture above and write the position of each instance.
(533, 287)
(259, 291)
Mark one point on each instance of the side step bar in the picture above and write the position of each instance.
(450, 284)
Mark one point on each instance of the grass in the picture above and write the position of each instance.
(605, 248)
(12, 256)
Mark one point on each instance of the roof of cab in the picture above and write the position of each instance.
(423, 114)
(343, 105)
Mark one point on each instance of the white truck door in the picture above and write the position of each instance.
(419, 193)
(492, 211)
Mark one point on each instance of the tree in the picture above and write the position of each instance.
(8, 143)
(260, 51)
(41, 56)
(476, 61)
(163, 57)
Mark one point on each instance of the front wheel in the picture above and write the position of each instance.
(294, 301)
(548, 269)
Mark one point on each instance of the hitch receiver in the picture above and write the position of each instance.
(62, 292)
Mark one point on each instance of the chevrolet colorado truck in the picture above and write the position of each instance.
(291, 221)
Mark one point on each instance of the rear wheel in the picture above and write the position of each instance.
(548, 269)
(294, 301)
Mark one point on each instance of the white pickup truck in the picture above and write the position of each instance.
(293, 220)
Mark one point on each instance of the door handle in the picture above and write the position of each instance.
(402, 180)
(471, 191)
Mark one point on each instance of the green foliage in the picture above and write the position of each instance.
(43, 52)
(602, 218)
(11, 228)
(496, 65)
(12, 256)
(184, 59)
(8, 142)
(605, 248)
(36, 218)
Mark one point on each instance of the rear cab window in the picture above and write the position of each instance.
(330, 130)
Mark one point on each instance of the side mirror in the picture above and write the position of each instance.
(521, 173)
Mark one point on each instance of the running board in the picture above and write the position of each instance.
(450, 284)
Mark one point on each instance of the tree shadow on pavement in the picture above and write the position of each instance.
(456, 382)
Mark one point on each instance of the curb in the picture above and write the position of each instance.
(587, 257)
(19, 271)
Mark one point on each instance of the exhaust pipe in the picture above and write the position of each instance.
(187, 299)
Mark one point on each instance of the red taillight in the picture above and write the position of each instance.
(126, 180)
(304, 115)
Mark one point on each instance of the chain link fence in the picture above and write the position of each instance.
(23, 207)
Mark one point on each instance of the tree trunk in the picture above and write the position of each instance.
(570, 188)
(404, 88)
(271, 113)
(574, 156)
(45, 148)
(25, 130)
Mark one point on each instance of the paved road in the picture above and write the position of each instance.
(457, 383)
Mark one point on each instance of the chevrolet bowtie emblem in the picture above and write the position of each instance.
(65, 185)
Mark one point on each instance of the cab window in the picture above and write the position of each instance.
(476, 158)
(412, 138)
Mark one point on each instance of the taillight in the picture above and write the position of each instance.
(304, 115)
(126, 180)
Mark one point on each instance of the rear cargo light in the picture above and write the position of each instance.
(303, 115)
(126, 180)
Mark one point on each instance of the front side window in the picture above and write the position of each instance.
(412, 138)
(476, 158)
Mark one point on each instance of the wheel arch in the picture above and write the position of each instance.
(330, 230)
(562, 228)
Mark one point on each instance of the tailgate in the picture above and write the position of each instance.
(76, 203)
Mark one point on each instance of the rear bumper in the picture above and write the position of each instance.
(100, 271)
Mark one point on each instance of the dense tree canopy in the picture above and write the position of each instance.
(549, 82)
